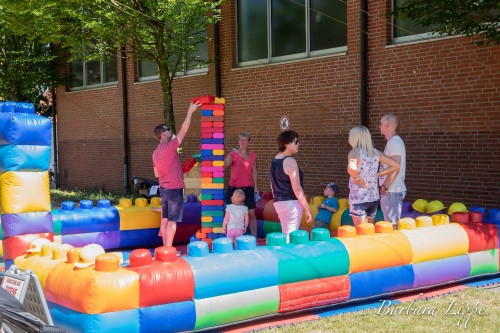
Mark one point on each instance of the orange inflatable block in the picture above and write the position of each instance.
(93, 291)
(218, 113)
(377, 251)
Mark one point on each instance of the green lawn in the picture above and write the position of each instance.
(471, 310)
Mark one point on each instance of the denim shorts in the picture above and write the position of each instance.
(172, 203)
(368, 209)
(321, 224)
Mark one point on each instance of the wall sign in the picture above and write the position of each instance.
(284, 123)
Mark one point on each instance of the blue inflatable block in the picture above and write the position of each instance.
(433, 272)
(252, 269)
(74, 321)
(25, 158)
(212, 141)
(213, 236)
(212, 191)
(218, 197)
(140, 238)
(22, 107)
(208, 113)
(381, 281)
(107, 239)
(217, 218)
(168, 318)
(26, 223)
(212, 208)
(212, 158)
(25, 129)
(8, 107)
(206, 152)
(95, 219)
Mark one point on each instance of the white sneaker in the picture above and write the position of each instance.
(179, 253)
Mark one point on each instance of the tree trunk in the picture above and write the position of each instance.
(168, 103)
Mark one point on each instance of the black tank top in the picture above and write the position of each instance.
(280, 182)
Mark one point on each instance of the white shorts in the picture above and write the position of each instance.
(290, 215)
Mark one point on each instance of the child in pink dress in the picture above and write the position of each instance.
(236, 218)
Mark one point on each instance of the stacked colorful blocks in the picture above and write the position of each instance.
(212, 169)
(25, 145)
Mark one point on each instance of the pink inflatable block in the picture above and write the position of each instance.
(218, 175)
(212, 146)
(218, 135)
(212, 169)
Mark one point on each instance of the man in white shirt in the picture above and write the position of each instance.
(392, 186)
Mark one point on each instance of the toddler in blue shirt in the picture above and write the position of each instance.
(329, 206)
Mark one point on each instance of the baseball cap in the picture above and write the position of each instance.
(333, 186)
(88, 255)
(36, 244)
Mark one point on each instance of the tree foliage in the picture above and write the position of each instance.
(27, 69)
(167, 32)
(456, 17)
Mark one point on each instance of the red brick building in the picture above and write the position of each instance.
(445, 90)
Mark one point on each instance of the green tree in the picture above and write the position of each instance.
(27, 68)
(166, 32)
(455, 17)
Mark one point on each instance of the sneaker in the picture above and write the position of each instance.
(179, 253)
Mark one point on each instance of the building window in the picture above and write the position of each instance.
(148, 70)
(275, 30)
(407, 30)
(92, 74)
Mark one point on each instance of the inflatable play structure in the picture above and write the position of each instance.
(215, 284)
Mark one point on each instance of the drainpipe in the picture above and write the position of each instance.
(126, 147)
(218, 89)
(54, 135)
(363, 26)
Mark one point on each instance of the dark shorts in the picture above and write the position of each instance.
(249, 195)
(321, 224)
(172, 203)
(368, 209)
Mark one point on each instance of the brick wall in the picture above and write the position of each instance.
(445, 92)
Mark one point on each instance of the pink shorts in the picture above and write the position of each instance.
(233, 233)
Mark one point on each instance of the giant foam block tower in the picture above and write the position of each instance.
(212, 169)
(25, 145)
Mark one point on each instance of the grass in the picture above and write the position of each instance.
(57, 196)
(443, 314)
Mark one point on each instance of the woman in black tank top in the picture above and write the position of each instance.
(286, 184)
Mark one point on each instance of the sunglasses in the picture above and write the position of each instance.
(166, 128)
(296, 141)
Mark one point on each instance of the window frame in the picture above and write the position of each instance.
(290, 57)
(86, 86)
(418, 37)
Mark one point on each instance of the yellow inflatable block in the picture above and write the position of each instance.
(218, 152)
(207, 219)
(138, 217)
(41, 263)
(218, 163)
(438, 242)
(343, 203)
(90, 291)
(406, 223)
(24, 192)
(336, 219)
(377, 251)
(220, 100)
(440, 219)
(423, 221)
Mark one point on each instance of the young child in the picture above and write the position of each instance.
(236, 218)
(329, 206)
